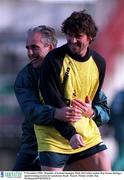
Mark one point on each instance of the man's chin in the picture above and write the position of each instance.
(75, 51)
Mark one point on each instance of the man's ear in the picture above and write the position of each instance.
(51, 47)
(90, 39)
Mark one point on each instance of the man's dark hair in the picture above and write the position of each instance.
(79, 22)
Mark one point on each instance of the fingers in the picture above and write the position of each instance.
(78, 103)
(73, 118)
(85, 107)
(82, 107)
(73, 111)
(76, 141)
(73, 114)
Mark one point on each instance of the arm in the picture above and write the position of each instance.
(102, 111)
(99, 111)
(52, 93)
(27, 94)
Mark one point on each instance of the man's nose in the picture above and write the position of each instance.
(30, 52)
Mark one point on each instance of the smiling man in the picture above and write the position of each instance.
(73, 71)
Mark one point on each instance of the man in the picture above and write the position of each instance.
(40, 40)
(26, 90)
(73, 71)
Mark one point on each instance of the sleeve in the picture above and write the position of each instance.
(27, 96)
(102, 111)
(51, 91)
(100, 100)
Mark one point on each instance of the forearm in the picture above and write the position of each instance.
(65, 129)
(32, 108)
(42, 115)
(102, 111)
(27, 94)
(52, 95)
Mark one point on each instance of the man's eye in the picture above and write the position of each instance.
(35, 48)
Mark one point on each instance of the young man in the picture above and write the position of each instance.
(73, 71)
(39, 40)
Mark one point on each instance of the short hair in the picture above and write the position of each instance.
(47, 32)
(79, 22)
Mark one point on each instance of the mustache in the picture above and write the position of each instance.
(74, 44)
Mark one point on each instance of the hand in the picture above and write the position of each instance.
(85, 107)
(69, 114)
(76, 141)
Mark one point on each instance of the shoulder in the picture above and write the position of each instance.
(99, 59)
(24, 73)
(96, 56)
(25, 70)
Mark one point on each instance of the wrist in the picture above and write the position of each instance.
(56, 113)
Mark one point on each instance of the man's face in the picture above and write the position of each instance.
(78, 44)
(36, 49)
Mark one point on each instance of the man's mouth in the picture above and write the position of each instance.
(74, 45)
(34, 60)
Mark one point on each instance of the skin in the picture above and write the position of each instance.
(96, 162)
(85, 107)
(37, 49)
(78, 44)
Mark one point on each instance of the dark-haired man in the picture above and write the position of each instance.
(73, 71)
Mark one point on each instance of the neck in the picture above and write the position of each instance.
(83, 52)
